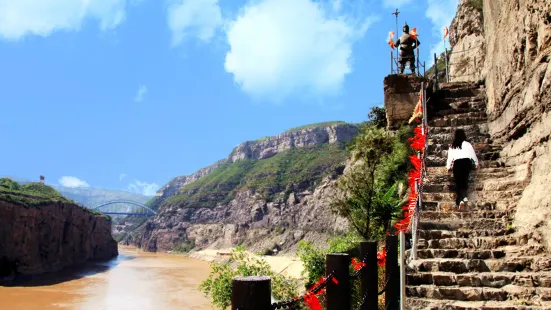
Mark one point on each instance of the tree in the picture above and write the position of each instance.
(378, 161)
(377, 117)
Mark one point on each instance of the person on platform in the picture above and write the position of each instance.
(461, 160)
(407, 44)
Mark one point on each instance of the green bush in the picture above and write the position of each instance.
(218, 286)
(184, 247)
(300, 168)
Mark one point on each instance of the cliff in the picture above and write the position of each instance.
(269, 193)
(516, 47)
(41, 231)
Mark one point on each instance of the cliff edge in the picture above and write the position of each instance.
(41, 231)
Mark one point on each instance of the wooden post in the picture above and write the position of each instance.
(370, 276)
(338, 295)
(251, 293)
(391, 63)
(446, 63)
(392, 293)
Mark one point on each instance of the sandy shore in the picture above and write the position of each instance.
(285, 264)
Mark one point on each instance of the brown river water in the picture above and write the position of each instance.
(135, 280)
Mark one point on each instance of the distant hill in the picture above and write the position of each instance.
(91, 197)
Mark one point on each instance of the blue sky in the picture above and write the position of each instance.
(127, 94)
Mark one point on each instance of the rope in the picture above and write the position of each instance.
(463, 51)
(292, 302)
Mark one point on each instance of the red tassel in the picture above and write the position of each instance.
(381, 258)
(312, 301)
(334, 280)
(357, 265)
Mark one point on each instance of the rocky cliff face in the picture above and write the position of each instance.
(299, 211)
(518, 80)
(516, 40)
(266, 148)
(467, 42)
(46, 238)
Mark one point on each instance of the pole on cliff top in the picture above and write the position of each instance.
(396, 13)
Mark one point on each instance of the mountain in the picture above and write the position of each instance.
(274, 191)
(91, 197)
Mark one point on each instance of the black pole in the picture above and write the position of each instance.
(338, 295)
(251, 293)
(435, 72)
(370, 276)
(392, 293)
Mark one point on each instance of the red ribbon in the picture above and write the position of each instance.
(312, 301)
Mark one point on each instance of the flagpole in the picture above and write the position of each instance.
(396, 13)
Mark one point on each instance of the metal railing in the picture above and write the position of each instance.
(395, 64)
(419, 182)
(462, 63)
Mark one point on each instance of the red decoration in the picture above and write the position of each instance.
(381, 258)
(334, 280)
(312, 301)
(357, 265)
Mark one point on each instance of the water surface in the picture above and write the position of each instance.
(135, 280)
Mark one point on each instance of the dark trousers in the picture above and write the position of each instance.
(461, 170)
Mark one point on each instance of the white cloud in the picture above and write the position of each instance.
(147, 189)
(441, 13)
(140, 94)
(279, 47)
(40, 17)
(122, 176)
(395, 3)
(68, 181)
(200, 18)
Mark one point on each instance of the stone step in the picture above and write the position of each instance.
(443, 234)
(433, 179)
(474, 204)
(484, 279)
(459, 265)
(476, 224)
(469, 293)
(438, 161)
(459, 92)
(447, 138)
(455, 253)
(470, 130)
(467, 215)
(481, 196)
(432, 304)
(477, 183)
(475, 103)
(480, 243)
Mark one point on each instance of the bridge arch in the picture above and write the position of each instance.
(148, 211)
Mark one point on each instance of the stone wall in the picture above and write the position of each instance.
(401, 97)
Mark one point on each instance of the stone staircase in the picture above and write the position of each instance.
(473, 259)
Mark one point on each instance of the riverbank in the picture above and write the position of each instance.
(288, 265)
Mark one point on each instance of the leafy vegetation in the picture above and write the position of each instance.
(218, 284)
(324, 124)
(33, 194)
(380, 161)
(377, 117)
(297, 168)
(184, 247)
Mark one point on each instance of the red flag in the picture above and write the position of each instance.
(312, 301)
(391, 39)
(413, 34)
(446, 32)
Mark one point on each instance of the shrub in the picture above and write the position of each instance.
(219, 283)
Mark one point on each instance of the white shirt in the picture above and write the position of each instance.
(466, 151)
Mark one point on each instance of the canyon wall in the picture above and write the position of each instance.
(46, 238)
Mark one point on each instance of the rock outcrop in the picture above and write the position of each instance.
(297, 212)
(49, 237)
(467, 57)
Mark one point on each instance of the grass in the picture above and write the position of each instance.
(297, 169)
(33, 195)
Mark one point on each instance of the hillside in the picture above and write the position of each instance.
(42, 231)
(274, 190)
